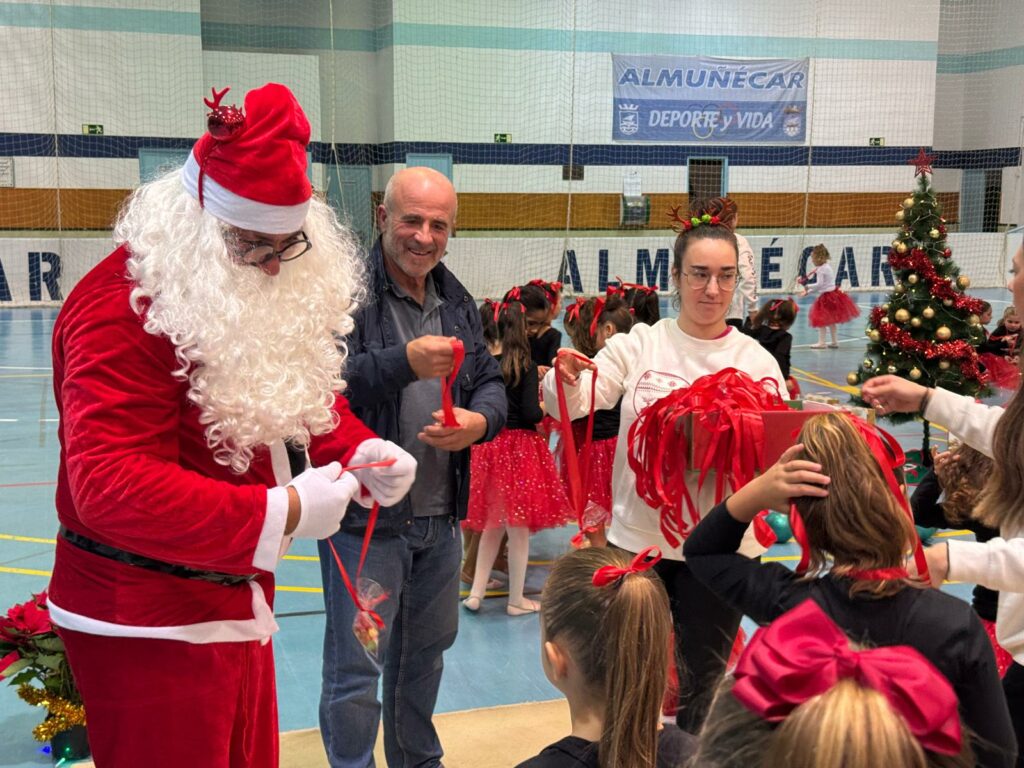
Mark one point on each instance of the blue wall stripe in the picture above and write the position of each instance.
(983, 61)
(38, 15)
(76, 145)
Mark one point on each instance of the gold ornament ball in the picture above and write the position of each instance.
(852, 378)
(974, 320)
(947, 302)
(942, 333)
(899, 288)
(915, 322)
(901, 248)
(915, 373)
(928, 313)
(963, 282)
(867, 331)
(933, 234)
(866, 365)
(885, 307)
(891, 369)
(943, 365)
(884, 321)
(875, 336)
(899, 215)
(912, 279)
(902, 315)
(908, 203)
(895, 243)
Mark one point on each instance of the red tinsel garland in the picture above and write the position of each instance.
(940, 288)
(958, 350)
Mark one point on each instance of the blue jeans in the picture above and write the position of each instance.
(419, 570)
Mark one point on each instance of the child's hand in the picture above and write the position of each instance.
(787, 479)
(570, 365)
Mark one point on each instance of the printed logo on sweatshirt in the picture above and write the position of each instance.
(653, 386)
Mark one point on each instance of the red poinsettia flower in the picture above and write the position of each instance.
(29, 619)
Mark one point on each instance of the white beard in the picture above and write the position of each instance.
(262, 354)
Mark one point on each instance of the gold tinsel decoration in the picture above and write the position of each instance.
(63, 714)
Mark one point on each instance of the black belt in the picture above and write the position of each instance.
(141, 561)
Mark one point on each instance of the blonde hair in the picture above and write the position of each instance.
(619, 637)
(848, 726)
(860, 525)
(1010, 311)
(999, 504)
(820, 254)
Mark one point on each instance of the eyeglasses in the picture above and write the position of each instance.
(699, 280)
(257, 254)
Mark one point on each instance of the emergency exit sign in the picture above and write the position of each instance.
(91, 129)
(503, 138)
(876, 142)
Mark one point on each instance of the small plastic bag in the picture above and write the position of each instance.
(368, 625)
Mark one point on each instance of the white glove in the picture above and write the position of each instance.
(324, 494)
(388, 485)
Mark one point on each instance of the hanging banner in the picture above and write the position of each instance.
(707, 99)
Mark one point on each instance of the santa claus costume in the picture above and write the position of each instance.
(181, 364)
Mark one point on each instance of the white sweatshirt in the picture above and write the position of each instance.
(643, 366)
(824, 280)
(998, 563)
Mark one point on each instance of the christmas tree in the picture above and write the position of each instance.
(929, 329)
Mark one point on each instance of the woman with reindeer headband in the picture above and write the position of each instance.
(641, 367)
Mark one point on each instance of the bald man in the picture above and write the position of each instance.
(399, 350)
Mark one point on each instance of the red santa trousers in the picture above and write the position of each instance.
(167, 703)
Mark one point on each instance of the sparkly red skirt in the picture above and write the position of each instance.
(1003, 657)
(832, 308)
(513, 482)
(602, 457)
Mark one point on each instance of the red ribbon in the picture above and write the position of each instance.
(573, 312)
(371, 521)
(803, 654)
(579, 480)
(724, 409)
(598, 309)
(610, 574)
(447, 382)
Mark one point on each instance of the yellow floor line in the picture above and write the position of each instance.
(24, 571)
(28, 539)
(815, 379)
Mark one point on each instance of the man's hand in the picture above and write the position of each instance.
(472, 426)
(430, 356)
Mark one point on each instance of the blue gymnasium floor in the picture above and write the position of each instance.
(495, 659)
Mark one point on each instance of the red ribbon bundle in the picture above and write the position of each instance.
(726, 405)
(447, 382)
(579, 479)
(803, 654)
(371, 521)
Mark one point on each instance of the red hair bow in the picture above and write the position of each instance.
(610, 574)
(573, 312)
(802, 654)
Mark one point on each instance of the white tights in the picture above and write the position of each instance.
(518, 554)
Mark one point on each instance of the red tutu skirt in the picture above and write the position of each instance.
(513, 482)
(602, 457)
(1002, 372)
(832, 308)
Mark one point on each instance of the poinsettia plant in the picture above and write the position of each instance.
(31, 652)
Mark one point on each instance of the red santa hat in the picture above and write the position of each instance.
(249, 168)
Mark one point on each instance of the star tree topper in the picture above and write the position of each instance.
(923, 162)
